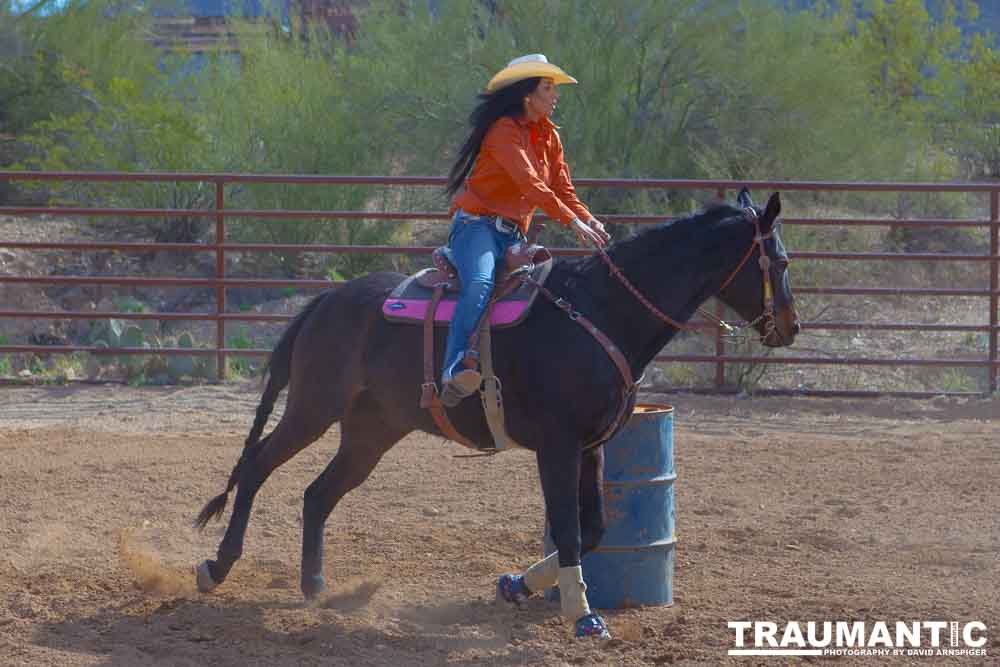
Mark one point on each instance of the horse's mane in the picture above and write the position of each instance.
(669, 242)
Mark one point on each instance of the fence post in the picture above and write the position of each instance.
(220, 274)
(994, 286)
(720, 312)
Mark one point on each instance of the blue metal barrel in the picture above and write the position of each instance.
(634, 564)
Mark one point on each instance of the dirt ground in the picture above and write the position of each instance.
(788, 509)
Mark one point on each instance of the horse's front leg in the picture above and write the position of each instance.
(593, 523)
(593, 519)
(545, 573)
(561, 469)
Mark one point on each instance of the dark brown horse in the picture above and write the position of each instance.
(343, 362)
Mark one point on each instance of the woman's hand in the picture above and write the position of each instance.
(588, 234)
(598, 227)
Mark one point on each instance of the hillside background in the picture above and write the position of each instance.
(747, 89)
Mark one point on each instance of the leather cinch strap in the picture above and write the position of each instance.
(616, 355)
(630, 386)
(429, 391)
(492, 394)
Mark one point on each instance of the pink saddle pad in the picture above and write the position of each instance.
(408, 303)
(505, 313)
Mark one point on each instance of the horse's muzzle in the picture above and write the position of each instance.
(786, 326)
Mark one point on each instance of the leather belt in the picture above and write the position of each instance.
(505, 226)
(500, 223)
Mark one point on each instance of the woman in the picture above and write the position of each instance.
(510, 164)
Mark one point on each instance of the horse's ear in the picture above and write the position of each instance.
(772, 211)
(743, 199)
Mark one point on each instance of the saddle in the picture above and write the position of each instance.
(428, 298)
(513, 296)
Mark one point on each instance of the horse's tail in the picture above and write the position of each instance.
(278, 373)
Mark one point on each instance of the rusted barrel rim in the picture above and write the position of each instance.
(651, 409)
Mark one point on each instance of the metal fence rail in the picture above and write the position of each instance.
(220, 282)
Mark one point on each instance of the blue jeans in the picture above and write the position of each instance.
(477, 247)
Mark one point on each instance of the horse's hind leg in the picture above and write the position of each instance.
(297, 429)
(366, 434)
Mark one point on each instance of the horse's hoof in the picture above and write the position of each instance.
(313, 587)
(511, 588)
(206, 584)
(592, 625)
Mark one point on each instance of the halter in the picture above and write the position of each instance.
(730, 330)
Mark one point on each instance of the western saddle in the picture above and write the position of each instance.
(428, 298)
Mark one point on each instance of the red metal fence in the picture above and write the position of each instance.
(990, 262)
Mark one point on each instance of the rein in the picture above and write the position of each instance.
(765, 264)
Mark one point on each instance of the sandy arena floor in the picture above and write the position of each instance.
(788, 509)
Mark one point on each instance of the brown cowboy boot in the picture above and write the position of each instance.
(460, 385)
(465, 381)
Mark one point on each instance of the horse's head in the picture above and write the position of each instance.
(765, 271)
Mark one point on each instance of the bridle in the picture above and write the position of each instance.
(731, 330)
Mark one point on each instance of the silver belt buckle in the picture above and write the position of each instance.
(499, 223)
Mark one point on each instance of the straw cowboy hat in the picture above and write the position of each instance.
(526, 67)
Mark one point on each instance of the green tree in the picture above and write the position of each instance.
(45, 48)
(280, 106)
(910, 60)
(790, 103)
(289, 106)
(977, 132)
(131, 123)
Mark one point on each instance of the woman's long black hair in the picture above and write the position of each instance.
(508, 101)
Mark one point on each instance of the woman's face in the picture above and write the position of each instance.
(542, 101)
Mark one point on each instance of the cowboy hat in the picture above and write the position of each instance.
(526, 67)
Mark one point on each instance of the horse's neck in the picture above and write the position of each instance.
(677, 279)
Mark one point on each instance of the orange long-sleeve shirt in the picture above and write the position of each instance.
(520, 167)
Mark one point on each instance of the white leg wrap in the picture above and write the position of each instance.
(543, 574)
(573, 593)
